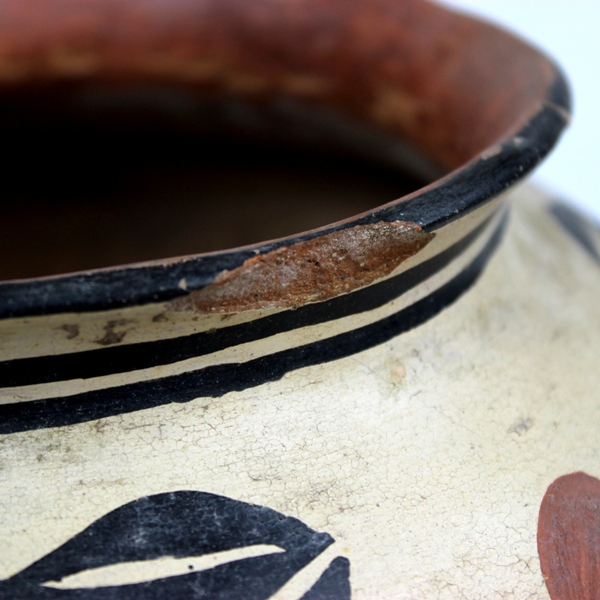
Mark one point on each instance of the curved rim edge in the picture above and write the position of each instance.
(462, 191)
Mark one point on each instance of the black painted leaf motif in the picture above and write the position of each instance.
(187, 545)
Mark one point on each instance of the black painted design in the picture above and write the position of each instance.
(460, 193)
(218, 380)
(122, 359)
(580, 228)
(186, 524)
(334, 584)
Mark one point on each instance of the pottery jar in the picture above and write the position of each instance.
(385, 399)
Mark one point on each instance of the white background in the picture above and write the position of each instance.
(569, 31)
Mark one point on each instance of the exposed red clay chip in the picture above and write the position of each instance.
(569, 538)
(310, 271)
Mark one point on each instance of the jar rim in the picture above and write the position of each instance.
(518, 139)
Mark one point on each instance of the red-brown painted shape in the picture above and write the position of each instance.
(569, 538)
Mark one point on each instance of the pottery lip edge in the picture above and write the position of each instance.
(482, 179)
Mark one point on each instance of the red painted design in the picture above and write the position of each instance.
(569, 538)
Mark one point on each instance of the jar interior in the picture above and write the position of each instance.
(120, 185)
(147, 130)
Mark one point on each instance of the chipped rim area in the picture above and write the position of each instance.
(310, 271)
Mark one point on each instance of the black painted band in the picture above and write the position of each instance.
(132, 357)
(578, 227)
(218, 380)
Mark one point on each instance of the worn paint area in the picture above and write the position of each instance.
(569, 538)
(311, 271)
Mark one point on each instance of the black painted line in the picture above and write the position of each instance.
(578, 227)
(218, 380)
(463, 192)
(133, 357)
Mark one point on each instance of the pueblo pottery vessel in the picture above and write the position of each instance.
(397, 404)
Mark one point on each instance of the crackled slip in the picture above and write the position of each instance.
(398, 404)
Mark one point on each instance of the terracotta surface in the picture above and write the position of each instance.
(448, 84)
(311, 271)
